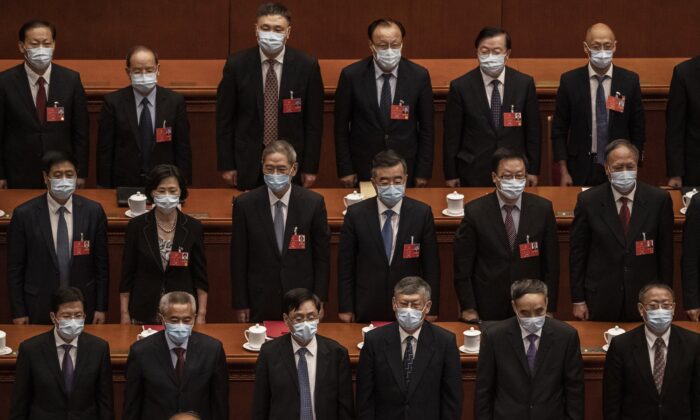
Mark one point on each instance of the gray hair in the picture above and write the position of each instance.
(620, 143)
(283, 147)
(185, 414)
(412, 285)
(650, 286)
(523, 287)
(176, 298)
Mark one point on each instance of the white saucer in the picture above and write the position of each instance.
(131, 215)
(465, 351)
(2, 213)
(360, 345)
(251, 348)
(345, 212)
(448, 214)
(683, 210)
(5, 351)
(606, 347)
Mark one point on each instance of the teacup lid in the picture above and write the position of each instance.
(455, 196)
(354, 195)
(368, 327)
(137, 196)
(691, 193)
(472, 332)
(616, 331)
(257, 329)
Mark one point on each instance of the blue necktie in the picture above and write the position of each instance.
(305, 410)
(531, 352)
(408, 360)
(63, 248)
(496, 104)
(388, 233)
(279, 225)
(67, 368)
(385, 100)
(601, 120)
(146, 134)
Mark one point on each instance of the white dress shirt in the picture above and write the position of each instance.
(311, 353)
(526, 341)
(630, 198)
(651, 340)
(515, 213)
(594, 89)
(489, 87)
(378, 73)
(73, 353)
(53, 217)
(138, 97)
(394, 221)
(285, 201)
(171, 346)
(279, 62)
(404, 335)
(34, 82)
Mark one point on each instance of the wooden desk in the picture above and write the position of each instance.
(241, 363)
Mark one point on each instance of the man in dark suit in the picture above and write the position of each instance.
(267, 93)
(302, 375)
(57, 239)
(683, 125)
(505, 236)
(177, 369)
(621, 239)
(490, 107)
(384, 102)
(382, 241)
(595, 104)
(653, 371)
(280, 240)
(42, 108)
(63, 373)
(409, 369)
(142, 126)
(690, 260)
(530, 365)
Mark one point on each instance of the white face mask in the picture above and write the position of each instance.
(388, 59)
(271, 42)
(623, 181)
(601, 59)
(166, 202)
(512, 188)
(492, 64)
(62, 188)
(144, 83)
(40, 57)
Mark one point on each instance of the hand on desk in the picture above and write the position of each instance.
(125, 319)
(452, 183)
(201, 319)
(349, 181)
(693, 314)
(581, 311)
(675, 182)
(532, 180)
(346, 317)
(421, 182)
(241, 315)
(307, 180)
(99, 317)
(470, 315)
(3, 184)
(231, 178)
(21, 321)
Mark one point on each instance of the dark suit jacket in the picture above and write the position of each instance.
(39, 392)
(604, 269)
(690, 260)
(276, 394)
(240, 115)
(365, 279)
(152, 390)
(32, 264)
(359, 131)
(629, 391)
(435, 388)
(142, 271)
(571, 126)
(24, 140)
(505, 387)
(470, 137)
(119, 146)
(260, 276)
(485, 266)
(682, 124)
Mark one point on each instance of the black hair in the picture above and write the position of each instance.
(490, 32)
(279, 9)
(524, 287)
(139, 48)
(385, 22)
(36, 23)
(64, 295)
(504, 153)
(294, 298)
(54, 157)
(158, 174)
(388, 159)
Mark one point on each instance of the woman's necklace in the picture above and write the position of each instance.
(165, 228)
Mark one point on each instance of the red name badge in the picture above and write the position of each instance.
(164, 134)
(529, 250)
(291, 106)
(616, 103)
(512, 119)
(645, 247)
(55, 114)
(81, 248)
(297, 242)
(179, 259)
(411, 251)
(400, 112)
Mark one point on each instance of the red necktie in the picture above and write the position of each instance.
(41, 101)
(510, 226)
(624, 214)
(180, 364)
(271, 95)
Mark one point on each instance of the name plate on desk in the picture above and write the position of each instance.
(199, 215)
(564, 213)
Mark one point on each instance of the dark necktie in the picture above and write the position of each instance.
(408, 360)
(67, 368)
(601, 121)
(305, 409)
(496, 104)
(388, 233)
(41, 100)
(271, 94)
(532, 352)
(279, 225)
(624, 214)
(659, 363)
(385, 100)
(146, 134)
(510, 225)
(180, 364)
(63, 248)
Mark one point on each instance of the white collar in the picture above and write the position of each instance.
(311, 348)
(34, 77)
(378, 72)
(138, 97)
(403, 334)
(488, 79)
(54, 205)
(630, 195)
(592, 72)
(60, 341)
(382, 207)
(651, 337)
(285, 198)
(279, 58)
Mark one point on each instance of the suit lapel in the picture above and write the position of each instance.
(289, 70)
(615, 86)
(392, 348)
(293, 218)
(161, 104)
(424, 353)
(610, 214)
(401, 91)
(150, 234)
(166, 358)
(507, 101)
(22, 83)
(288, 360)
(372, 93)
(640, 211)
(516, 340)
(56, 95)
(640, 353)
(266, 220)
(51, 356)
(496, 217)
(586, 84)
(42, 215)
(402, 236)
(524, 224)
(371, 217)
(78, 224)
(192, 360)
(130, 110)
(81, 359)
(675, 354)
(546, 340)
(256, 78)
(323, 360)
(477, 81)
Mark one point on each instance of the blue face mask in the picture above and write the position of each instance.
(623, 181)
(62, 188)
(305, 331)
(276, 182)
(271, 42)
(178, 333)
(68, 329)
(532, 324)
(390, 195)
(658, 320)
(409, 319)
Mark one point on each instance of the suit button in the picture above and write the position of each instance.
(386, 137)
